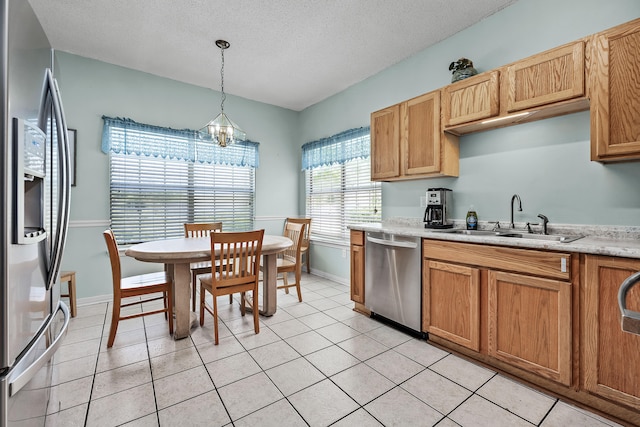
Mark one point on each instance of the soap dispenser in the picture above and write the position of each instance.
(472, 219)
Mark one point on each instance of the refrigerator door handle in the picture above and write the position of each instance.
(51, 100)
(65, 160)
(629, 320)
(16, 383)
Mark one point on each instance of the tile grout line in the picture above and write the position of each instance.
(95, 369)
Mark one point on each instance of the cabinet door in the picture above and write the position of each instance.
(420, 134)
(357, 266)
(611, 357)
(385, 143)
(530, 324)
(471, 99)
(451, 303)
(552, 76)
(615, 93)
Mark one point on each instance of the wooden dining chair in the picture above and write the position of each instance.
(239, 257)
(291, 259)
(306, 239)
(200, 229)
(134, 286)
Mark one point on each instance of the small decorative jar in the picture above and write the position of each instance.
(462, 68)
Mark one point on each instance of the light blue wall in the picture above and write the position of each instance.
(546, 163)
(91, 89)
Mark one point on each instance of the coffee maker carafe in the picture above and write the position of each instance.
(438, 205)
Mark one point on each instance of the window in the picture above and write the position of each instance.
(158, 181)
(339, 190)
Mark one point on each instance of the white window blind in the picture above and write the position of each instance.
(152, 197)
(340, 194)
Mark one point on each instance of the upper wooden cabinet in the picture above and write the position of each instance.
(385, 148)
(552, 76)
(545, 85)
(615, 93)
(420, 134)
(599, 72)
(471, 99)
(407, 141)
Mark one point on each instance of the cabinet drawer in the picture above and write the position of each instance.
(357, 237)
(528, 261)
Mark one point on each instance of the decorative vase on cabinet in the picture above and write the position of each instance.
(462, 68)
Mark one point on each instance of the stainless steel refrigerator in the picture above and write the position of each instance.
(34, 211)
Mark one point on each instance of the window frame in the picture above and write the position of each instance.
(170, 189)
(345, 191)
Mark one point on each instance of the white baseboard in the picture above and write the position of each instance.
(99, 299)
(329, 276)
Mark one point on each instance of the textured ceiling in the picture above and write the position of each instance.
(289, 53)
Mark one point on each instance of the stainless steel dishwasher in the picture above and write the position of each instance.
(392, 278)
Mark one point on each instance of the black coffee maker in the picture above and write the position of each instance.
(438, 204)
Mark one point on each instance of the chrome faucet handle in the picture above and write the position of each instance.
(545, 221)
(496, 225)
(528, 227)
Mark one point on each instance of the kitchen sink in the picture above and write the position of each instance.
(563, 238)
(547, 237)
(475, 232)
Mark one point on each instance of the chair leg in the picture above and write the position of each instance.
(72, 294)
(201, 304)
(115, 318)
(193, 291)
(169, 311)
(215, 318)
(242, 303)
(285, 281)
(256, 322)
(164, 302)
(230, 298)
(298, 274)
(308, 264)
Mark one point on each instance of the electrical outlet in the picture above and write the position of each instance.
(344, 253)
(423, 201)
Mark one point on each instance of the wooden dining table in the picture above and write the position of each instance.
(179, 253)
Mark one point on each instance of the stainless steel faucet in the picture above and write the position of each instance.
(513, 198)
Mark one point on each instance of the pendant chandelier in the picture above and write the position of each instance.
(222, 130)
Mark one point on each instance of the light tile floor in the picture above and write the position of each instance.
(315, 363)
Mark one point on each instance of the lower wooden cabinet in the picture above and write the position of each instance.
(511, 304)
(357, 266)
(451, 303)
(548, 317)
(610, 356)
(530, 324)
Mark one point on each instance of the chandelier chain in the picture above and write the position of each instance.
(222, 82)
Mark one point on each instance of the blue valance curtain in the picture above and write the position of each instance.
(336, 149)
(121, 135)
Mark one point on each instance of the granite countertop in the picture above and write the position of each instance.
(618, 241)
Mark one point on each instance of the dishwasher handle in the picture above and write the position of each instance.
(630, 320)
(393, 243)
